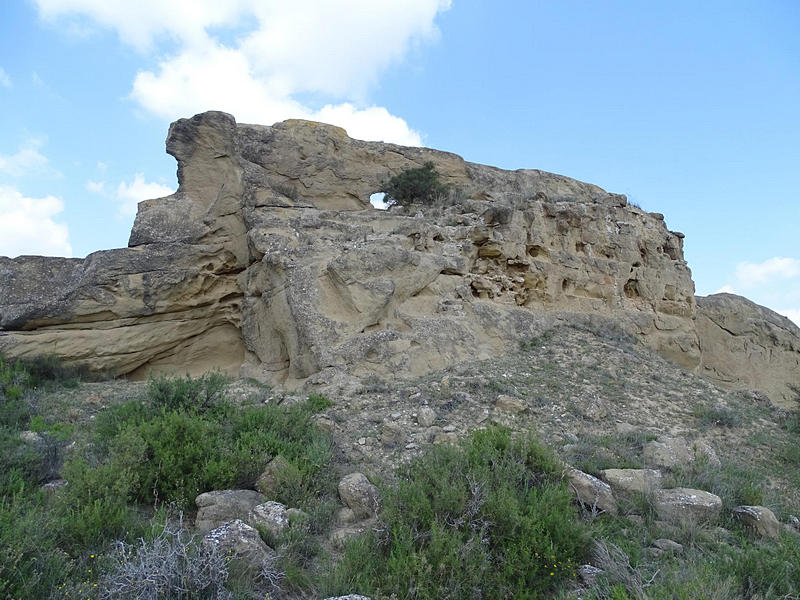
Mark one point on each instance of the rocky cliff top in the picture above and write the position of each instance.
(269, 261)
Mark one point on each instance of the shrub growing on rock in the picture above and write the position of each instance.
(422, 184)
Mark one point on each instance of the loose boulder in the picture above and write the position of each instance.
(241, 541)
(760, 519)
(220, 506)
(626, 481)
(273, 516)
(359, 495)
(671, 452)
(591, 492)
(678, 505)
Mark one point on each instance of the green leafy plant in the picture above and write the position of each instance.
(491, 516)
(422, 184)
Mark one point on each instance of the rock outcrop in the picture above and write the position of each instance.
(747, 346)
(269, 261)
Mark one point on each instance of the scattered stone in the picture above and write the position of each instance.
(345, 516)
(220, 506)
(392, 435)
(449, 428)
(445, 438)
(240, 540)
(668, 545)
(592, 493)
(30, 437)
(509, 404)
(588, 574)
(426, 416)
(325, 423)
(359, 494)
(594, 409)
(625, 481)
(339, 537)
(269, 481)
(432, 432)
(625, 428)
(362, 441)
(671, 452)
(349, 597)
(273, 516)
(760, 519)
(686, 505)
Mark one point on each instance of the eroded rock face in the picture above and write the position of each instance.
(269, 261)
(747, 346)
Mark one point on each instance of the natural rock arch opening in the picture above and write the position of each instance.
(377, 200)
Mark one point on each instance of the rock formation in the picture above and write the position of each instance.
(269, 261)
(747, 346)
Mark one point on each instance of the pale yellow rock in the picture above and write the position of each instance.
(678, 505)
(269, 261)
(592, 493)
(760, 519)
(642, 481)
(747, 346)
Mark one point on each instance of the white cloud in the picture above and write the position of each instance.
(25, 162)
(324, 47)
(96, 187)
(27, 226)
(130, 194)
(725, 289)
(778, 267)
(5, 80)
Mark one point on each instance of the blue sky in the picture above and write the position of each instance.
(692, 109)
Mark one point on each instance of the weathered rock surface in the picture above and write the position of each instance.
(270, 262)
(273, 516)
(683, 504)
(591, 492)
(241, 541)
(220, 506)
(747, 346)
(358, 494)
(671, 452)
(760, 519)
(625, 481)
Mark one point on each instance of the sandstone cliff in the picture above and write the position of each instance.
(269, 261)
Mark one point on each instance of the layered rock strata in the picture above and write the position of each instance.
(270, 261)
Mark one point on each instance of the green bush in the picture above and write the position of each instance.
(184, 439)
(488, 519)
(717, 416)
(175, 393)
(422, 184)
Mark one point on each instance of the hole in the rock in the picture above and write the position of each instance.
(377, 200)
(537, 251)
(632, 289)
